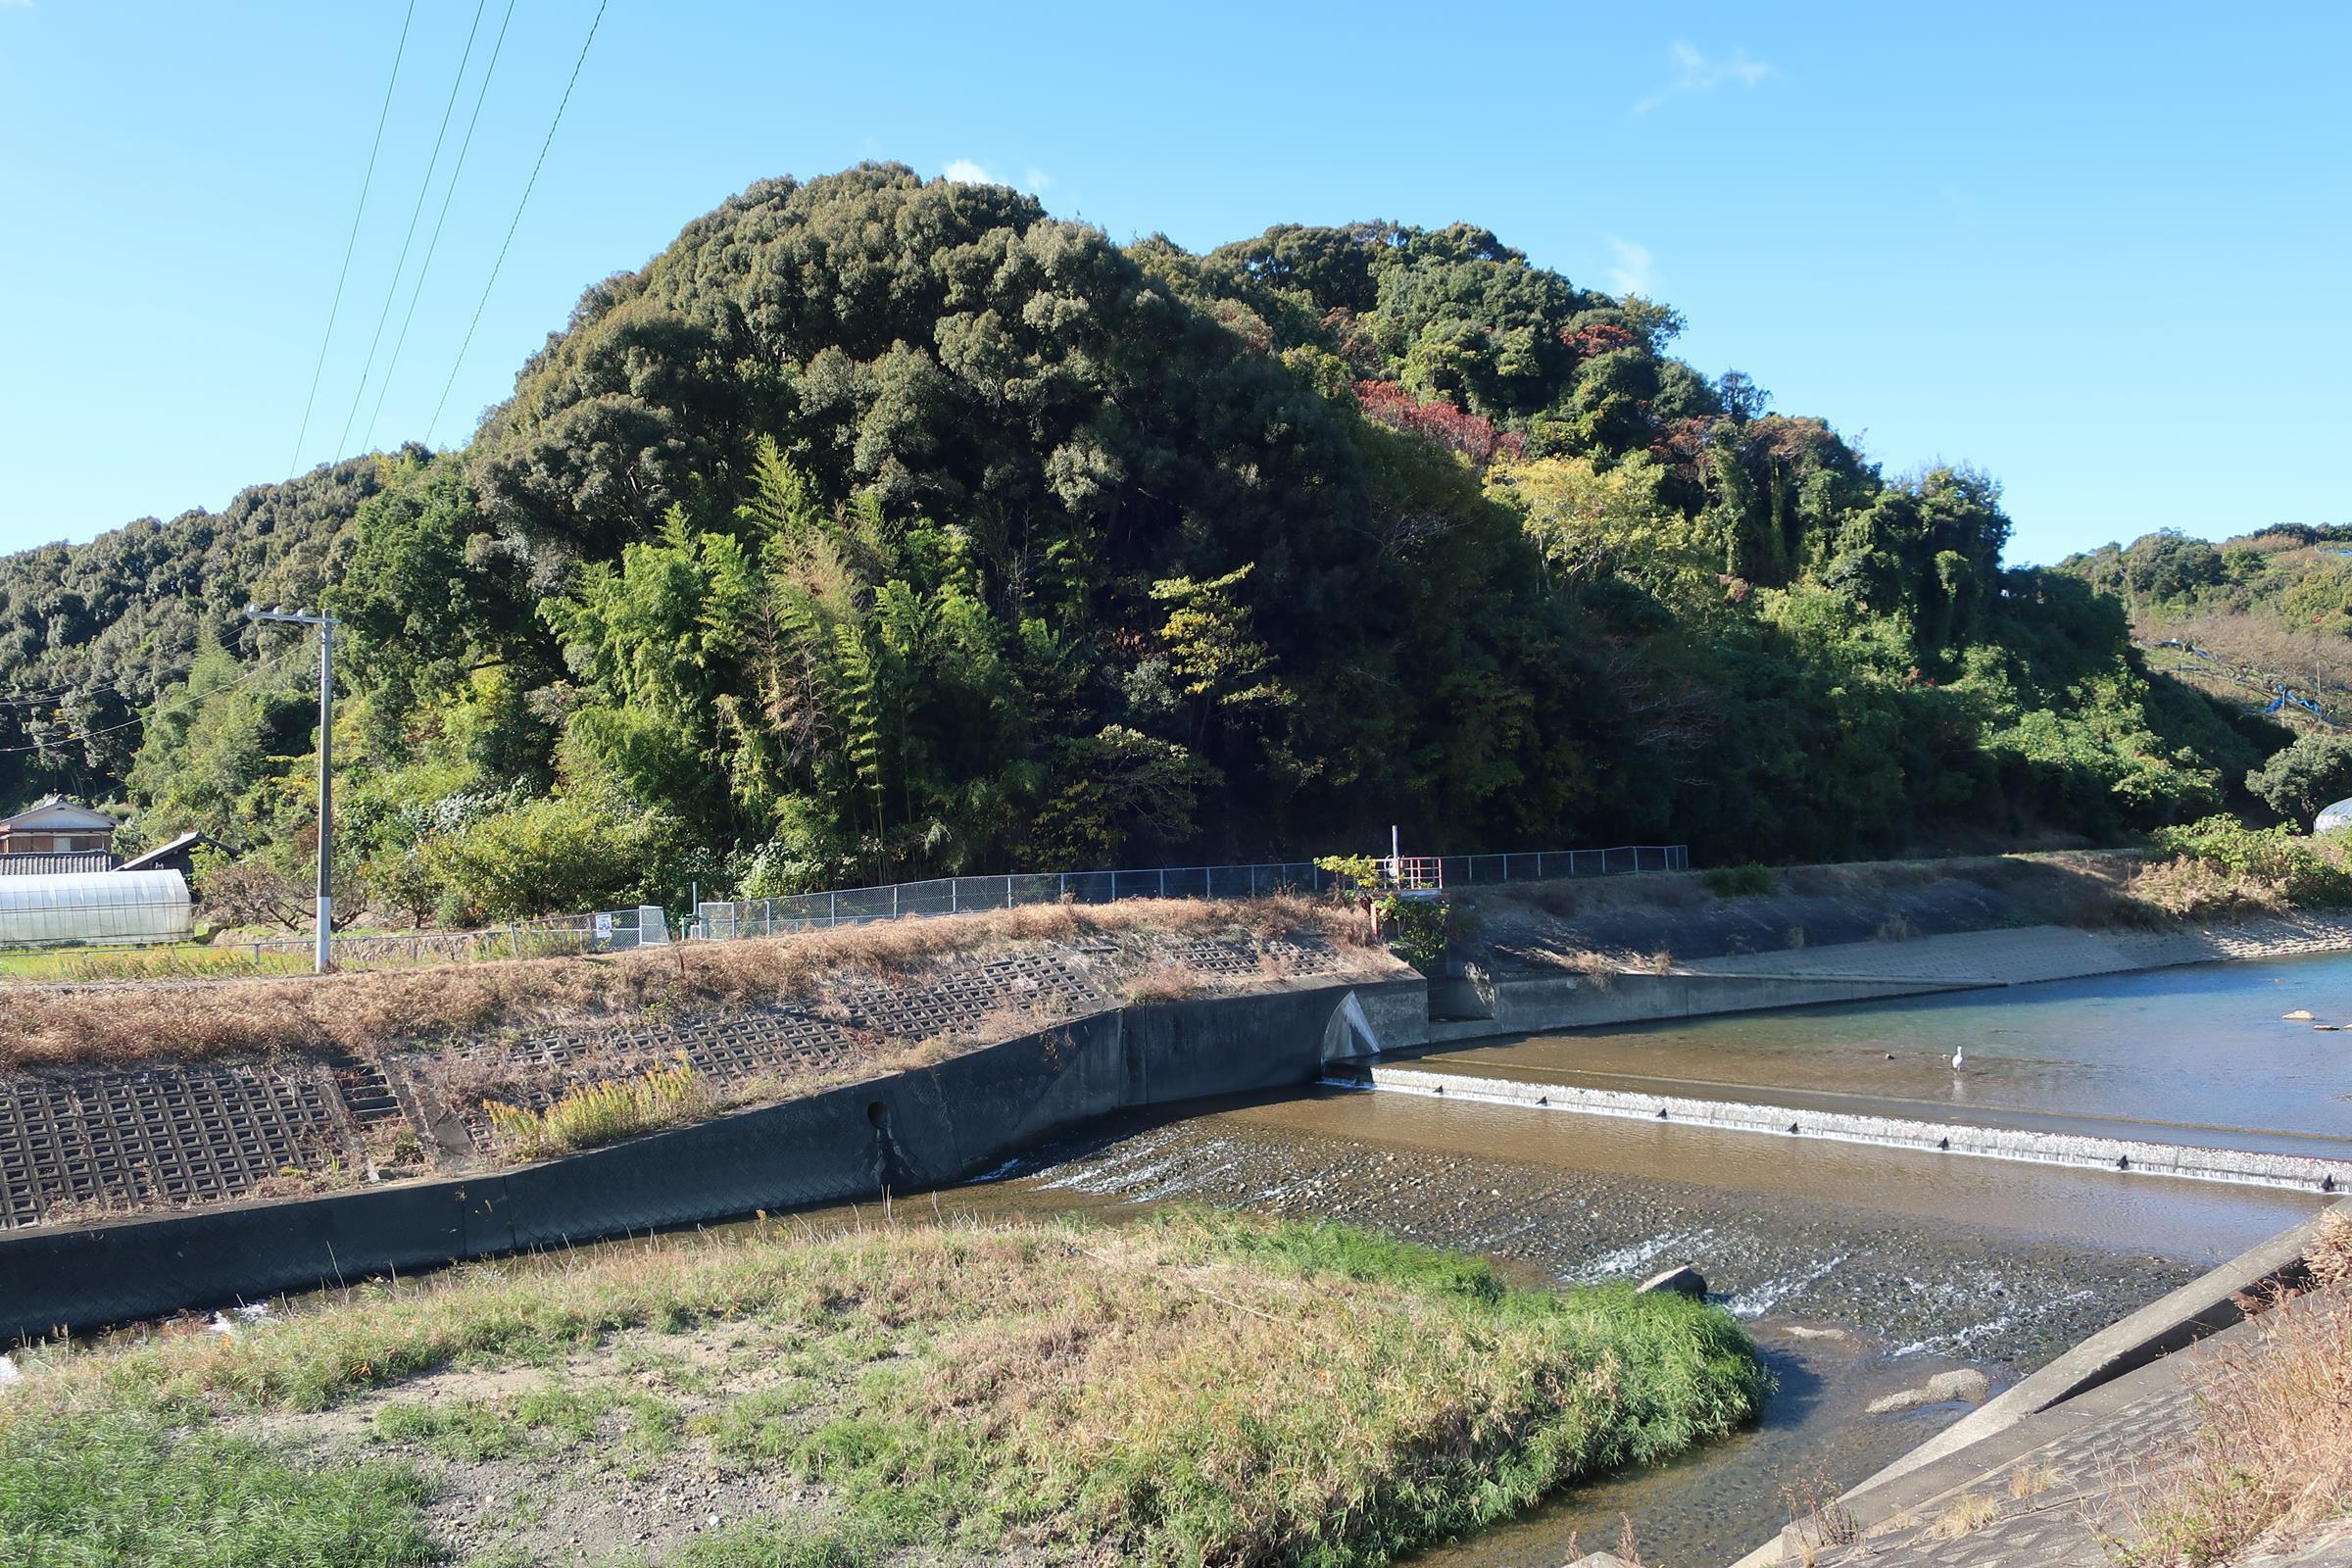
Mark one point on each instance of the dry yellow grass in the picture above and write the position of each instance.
(601, 1113)
(122, 1024)
(1964, 1516)
(2272, 1458)
(2031, 1480)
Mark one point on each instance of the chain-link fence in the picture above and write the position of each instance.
(957, 895)
(558, 935)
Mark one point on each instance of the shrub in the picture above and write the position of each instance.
(250, 892)
(2297, 781)
(2220, 862)
(555, 856)
(1737, 881)
(1416, 929)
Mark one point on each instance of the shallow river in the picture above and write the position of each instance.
(2200, 1056)
(1861, 1270)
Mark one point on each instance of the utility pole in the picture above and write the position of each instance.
(323, 954)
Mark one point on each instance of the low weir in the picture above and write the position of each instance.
(2089, 1151)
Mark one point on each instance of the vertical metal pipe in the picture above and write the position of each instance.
(327, 794)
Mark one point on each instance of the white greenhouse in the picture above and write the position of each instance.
(101, 908)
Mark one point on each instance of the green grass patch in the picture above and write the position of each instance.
(124, 1485)
(173, 961)
(473, 1430)
(1198, 1387)
(1737, 881)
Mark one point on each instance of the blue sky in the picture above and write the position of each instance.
(2098, 251)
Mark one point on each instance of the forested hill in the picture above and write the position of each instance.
(881, 528)
(2243, 617)
(91, 635)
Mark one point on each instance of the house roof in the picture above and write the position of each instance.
(164, 851)
(56, 811)
(52, 864)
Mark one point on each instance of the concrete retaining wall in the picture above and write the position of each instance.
(927, 1127)
(1468, 1009)
(1933, 1137)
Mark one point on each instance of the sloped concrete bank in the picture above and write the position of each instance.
(909, 1130)
(1463, 1010)
(2087, 1395)
(1480, 1005)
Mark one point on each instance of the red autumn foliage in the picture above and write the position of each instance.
(1444, 424)
(1681, 443)
(1602, 337)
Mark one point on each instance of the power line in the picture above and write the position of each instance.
(392, 290)
(294, 464)
(244, 680)
(456, 170)
(548, 140)
(61, 694)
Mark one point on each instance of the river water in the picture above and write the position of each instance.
(1861, 1270)
(2196, 1055)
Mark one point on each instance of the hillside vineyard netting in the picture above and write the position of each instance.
(97, 908)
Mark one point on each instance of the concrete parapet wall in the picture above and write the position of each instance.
(1952, 1138)
(1540, 1004)
(921, 1128)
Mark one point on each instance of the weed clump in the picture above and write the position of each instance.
(1737, 881)
(2220, 865)
(600, 1113)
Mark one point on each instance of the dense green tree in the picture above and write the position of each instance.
(2313, 772)
(884, 527)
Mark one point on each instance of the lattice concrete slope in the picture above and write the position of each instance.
(77, 1146)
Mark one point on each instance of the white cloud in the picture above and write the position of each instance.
(1695, 73)
(965, 171)
(1635, 271)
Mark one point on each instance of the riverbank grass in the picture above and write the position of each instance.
(1194, 1387)
(2270, 1460)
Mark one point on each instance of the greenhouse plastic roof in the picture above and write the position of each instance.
(94, 906)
